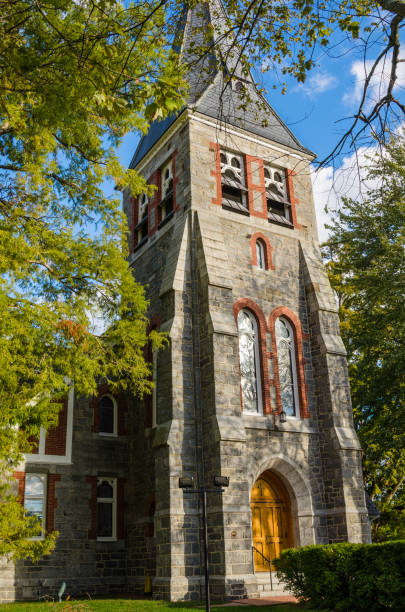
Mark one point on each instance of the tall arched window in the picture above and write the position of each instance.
(287, 369)
(107, 416)
(249, 360)
(260, 255)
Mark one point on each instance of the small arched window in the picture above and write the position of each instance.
(107, 416)
(260, 255)
(249, 360)
(287, 369)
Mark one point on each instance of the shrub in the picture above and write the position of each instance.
(347, 577)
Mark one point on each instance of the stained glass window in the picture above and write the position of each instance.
(249, 362)
(287, 372)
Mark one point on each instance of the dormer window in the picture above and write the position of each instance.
(141, 230)
(278, 207)
(166, 204)
(234, 192)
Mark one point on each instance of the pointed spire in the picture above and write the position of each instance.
(217, 80)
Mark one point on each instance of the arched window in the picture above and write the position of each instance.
(249, 361)
(107, 416)
(260, 255)
(287, 369)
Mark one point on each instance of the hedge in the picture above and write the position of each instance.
(346, 577)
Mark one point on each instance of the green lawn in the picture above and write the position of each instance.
(128, 605)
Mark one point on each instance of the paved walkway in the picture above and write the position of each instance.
(263, 601)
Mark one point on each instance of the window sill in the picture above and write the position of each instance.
(166, 219)
(268, 422)
(279, 220)
(106, 539)
(141, 243)
(141, 223)
(104, 434)
(240, 209)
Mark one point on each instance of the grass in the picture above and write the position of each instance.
(130, 605)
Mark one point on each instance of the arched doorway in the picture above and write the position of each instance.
(271, 519)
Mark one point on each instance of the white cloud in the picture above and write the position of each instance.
(318, 83)
(378, 83)
(330, 185)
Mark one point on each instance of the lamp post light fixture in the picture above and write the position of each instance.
(283, 417)
(187, 483)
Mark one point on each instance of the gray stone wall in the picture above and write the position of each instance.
(195, 268)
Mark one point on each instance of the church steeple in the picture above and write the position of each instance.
(218, 86)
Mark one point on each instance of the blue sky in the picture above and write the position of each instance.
(312, 111)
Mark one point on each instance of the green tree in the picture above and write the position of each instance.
(366, 262)
(75, 78)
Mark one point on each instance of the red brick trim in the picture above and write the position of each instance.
(153, 203)
(149, 514)
(51, 502)
(20, 477)
(264, 369)
(55, 441)
(175, 180)
(121, 531)
(282, 311)
(92, 533)
(214, 146)
(255, 191)
(122, 408)
(292, 199)
(268, 250)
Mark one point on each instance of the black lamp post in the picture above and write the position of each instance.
(187, 483)
(283, 417)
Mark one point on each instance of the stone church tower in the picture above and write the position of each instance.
(253, 385)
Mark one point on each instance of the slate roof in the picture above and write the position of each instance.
(204, 27)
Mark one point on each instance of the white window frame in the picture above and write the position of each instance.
(44, 480)
(108, 500)
(259, 395)
(65, 459)
(143, 207)
(297, 414)
(107, 434)
(165, 182)
(154, 390)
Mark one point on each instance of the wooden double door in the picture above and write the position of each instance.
(271, 520)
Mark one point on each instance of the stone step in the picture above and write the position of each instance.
(273, 593)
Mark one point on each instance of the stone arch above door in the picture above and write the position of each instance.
(300, 493)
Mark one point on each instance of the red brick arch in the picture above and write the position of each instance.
(268, 250)
(248, 304)
(283, 311)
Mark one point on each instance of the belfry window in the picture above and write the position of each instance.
(249, 362)
(234, 192)
(166, 203)
(107, 416)
(278, 207)
(106, 508)
(260, 255)
(287, 369)
(141, 230)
